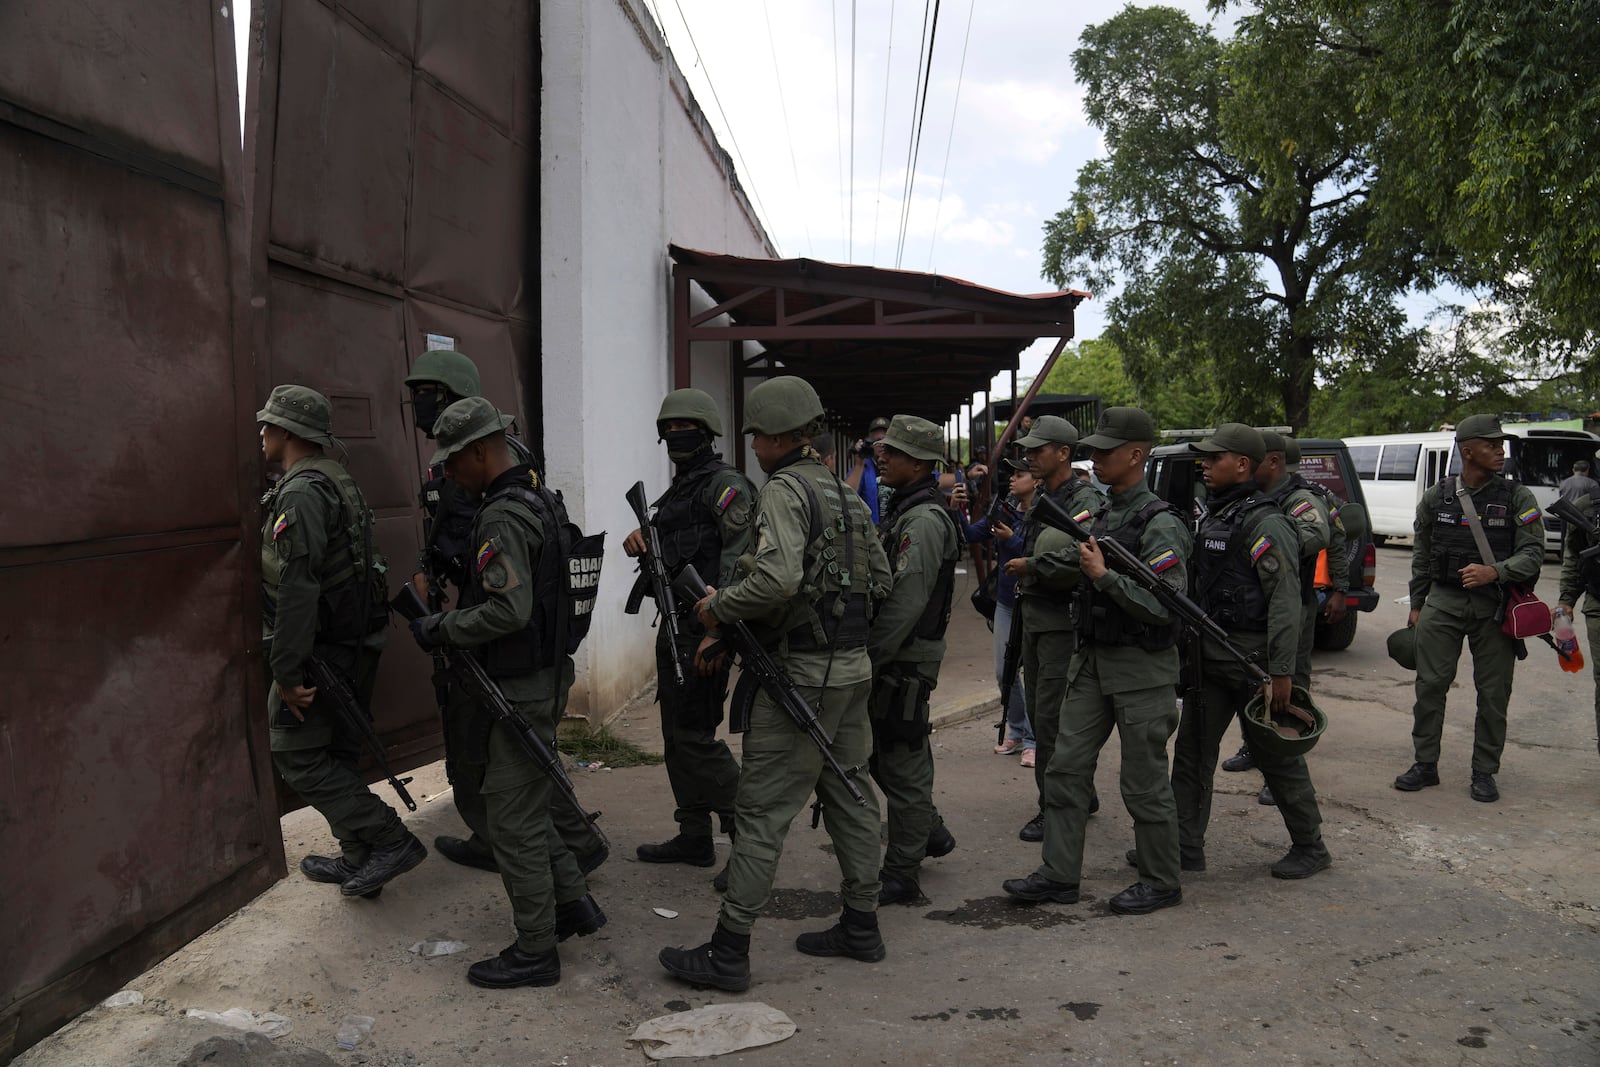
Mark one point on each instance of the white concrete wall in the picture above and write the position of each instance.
(628, 166)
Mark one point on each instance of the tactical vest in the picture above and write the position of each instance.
(1453, 544)
(687, 525)
(1225, 580)
(566, 582)
(935, 618)
(1080, 499)
(1101, 619)
(1590, 568)
(448, 514)
(352, 601)
(834, 606)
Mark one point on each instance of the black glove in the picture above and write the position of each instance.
(428, 631)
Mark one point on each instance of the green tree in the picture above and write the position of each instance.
(1231, 211)
(1185, 399)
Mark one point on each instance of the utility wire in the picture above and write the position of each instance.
(938, 204)
(926, 73)
(750, 184)
(851, 192)
(838, 122)
(883, 132)
(788, 131)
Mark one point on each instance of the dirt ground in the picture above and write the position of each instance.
(1447, 932)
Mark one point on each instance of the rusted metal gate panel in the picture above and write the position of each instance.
(394, 199)
(136, 805)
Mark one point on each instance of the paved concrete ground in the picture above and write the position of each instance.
(1447, 932)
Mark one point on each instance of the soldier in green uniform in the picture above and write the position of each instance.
(1246, 577)
(438, 379)
(1455, 596)
(323, 591)
(1315, 512)
(808, 591)
(704, 519)
(1046, 573)
(1580, 577)
(503, 618)
(907, 645)
(1122, 675)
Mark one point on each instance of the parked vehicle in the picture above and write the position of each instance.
(1394, 469)
(1174, 474)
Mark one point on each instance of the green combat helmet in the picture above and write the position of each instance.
(1289, 735)
(448, 368)
(691, 405)
(779, 405)
(304, 412)
(1402, 646)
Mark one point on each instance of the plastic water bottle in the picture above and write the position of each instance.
(353, 1029)
(1566, 639)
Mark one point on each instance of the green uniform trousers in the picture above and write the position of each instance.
(1592, 623)
(1045, 658)
(903, 770)
(1302, 655)
(701, 770)
(781, 770)
(536, 867)
(576, 832)
(1144, 720)
(1225, 690)
(318, 759)
(1494, 656)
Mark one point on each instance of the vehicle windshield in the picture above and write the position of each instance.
(1545, 461)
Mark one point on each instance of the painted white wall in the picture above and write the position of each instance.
(628, 166)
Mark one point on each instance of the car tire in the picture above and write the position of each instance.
(1336, 636)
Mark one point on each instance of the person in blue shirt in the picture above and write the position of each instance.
(1006, 533)
(863, 476)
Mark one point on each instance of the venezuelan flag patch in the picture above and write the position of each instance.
(281, 525)
(1258, 549)
(726, 497)
(485, 554)
(1162, 562)
(1301, 508)
(1525, 517)
(1083, 516)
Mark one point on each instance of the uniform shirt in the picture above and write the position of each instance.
(924, 539)
(1308, 515)
(1579, 487)
(1044, 592)
(729, 496)
(1527, 553)
(1276, 567)
(509, 539)
(303, 513)
(1165, 546)
(767, 593)
(1572, 582)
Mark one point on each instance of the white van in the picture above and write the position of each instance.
(1395, 468)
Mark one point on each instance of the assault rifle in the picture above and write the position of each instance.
(1588, 525)
(1009, 665)
(1123, 561)
(471, 676)
(653, 578)
(755, 660)
(326, 680)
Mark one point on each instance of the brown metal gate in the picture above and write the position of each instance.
(394, 199)
(136, 798)
(389, 189)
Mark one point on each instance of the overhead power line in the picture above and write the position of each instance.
(838, 121)
(788, 131)
(851, 192)
(938, 204)
(919, 108)
(883, 133)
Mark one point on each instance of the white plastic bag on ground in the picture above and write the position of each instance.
(713, 1030)
(268, 1023)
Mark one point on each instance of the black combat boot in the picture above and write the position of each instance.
(941, 842)
(1141, 898)
(723, 962)
(1420, 774)
(1302, 861)
(1037, 888)
(695, 851)
(588, 861)
(332, 869)
(1240, 760)
(897, 889)
(385, 865)
(469, 852)
(514, 967)
(1483, 787)
(582, 917)
(1033, 829)
(1265, 797)
(854, 935)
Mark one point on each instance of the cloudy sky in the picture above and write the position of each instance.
(1002, 136)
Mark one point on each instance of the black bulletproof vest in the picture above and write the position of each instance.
(447, 525)
(1453, 544)
(1075, 496)
(935, 618)
(686, 524)
(1225, 581)
(1103, 620)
